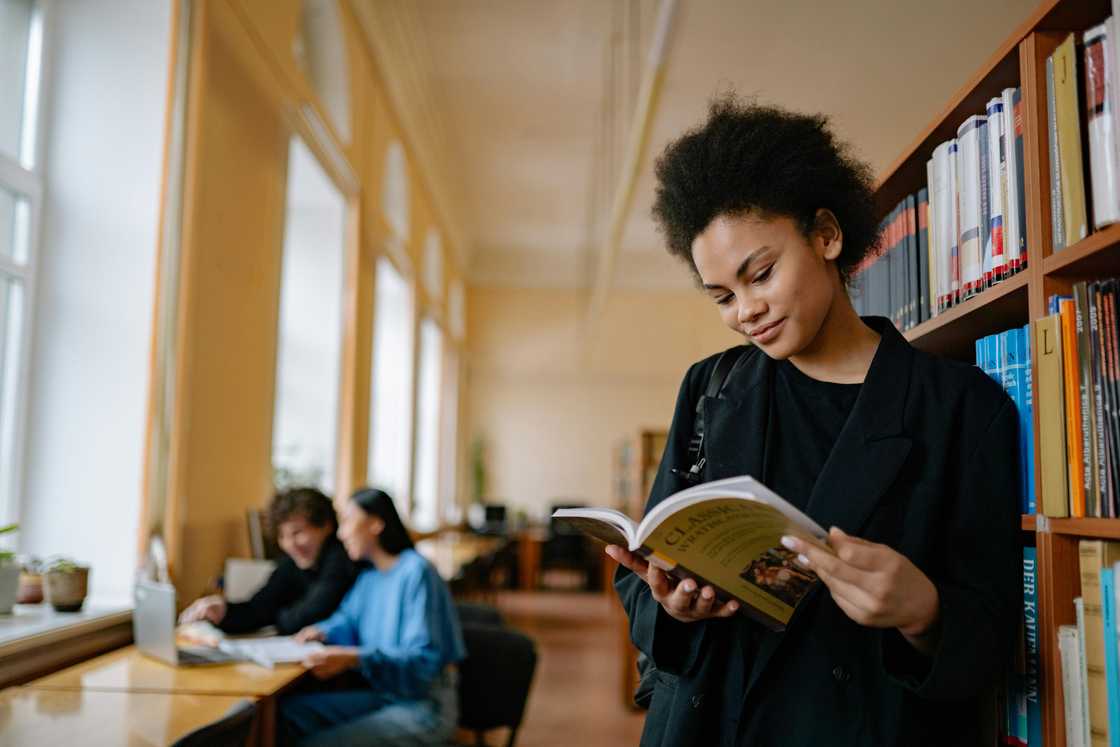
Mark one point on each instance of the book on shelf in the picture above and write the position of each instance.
(1069, 648)
(1079, 615)
(1005, 357)
(1033, 680)
(972, 137)
(1093, 556)
(1051, 412)
(686, 536)
(1072, 388)
(1089, 466)
(1067, 189)
(1101, 120)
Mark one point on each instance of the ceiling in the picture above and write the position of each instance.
(514, 109)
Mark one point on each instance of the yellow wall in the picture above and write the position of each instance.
(550, 407)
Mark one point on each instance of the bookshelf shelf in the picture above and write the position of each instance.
(1029, 522)
(1097, 528)
(1094, 256)
(954, 332)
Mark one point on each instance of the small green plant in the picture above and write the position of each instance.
(61, 565)
(7, 556)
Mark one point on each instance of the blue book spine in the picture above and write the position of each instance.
(1030, 621)
(1011, 378)
(1111, 673)
(1028, 416)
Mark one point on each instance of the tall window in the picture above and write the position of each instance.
(449, 437)
(21, 187)
(394, 190)
(433, 265)
(426, 513)
(390, 438)
(305, 419)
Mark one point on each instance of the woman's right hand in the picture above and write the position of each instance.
(681, 601)
(310, 633)
(211, 609)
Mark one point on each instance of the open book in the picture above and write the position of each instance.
(726, 534)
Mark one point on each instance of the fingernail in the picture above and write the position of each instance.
(707, 593)
(689, 586)
(803, 560)
(789, 543)
(837, 530)
(733, 606)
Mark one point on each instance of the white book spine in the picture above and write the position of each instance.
(1057, 215)
(932, 240)
(1011, 195)
(997, 191)
(972, 229)
(1068, 647)
(951, 222)
(1102, 126)
(1086, 729)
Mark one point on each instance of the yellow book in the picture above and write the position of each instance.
(1094, 555)
(1051, 416)
(725, 533)
(1067, 112)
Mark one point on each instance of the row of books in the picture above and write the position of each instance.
(1069, 209)
(1078, 348)
(977, 204)
(1090, 650)
(895, 282)
(1020, 700)
(1006, 357)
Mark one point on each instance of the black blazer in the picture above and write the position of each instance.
(927, 463)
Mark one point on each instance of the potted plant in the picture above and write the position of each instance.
(66, 584)
(30, 581)
(9, 575)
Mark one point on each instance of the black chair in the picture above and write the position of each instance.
(477, 613)
(570, 550)
(494, 679)
(231, 730)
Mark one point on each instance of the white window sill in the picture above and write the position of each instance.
(33, 626)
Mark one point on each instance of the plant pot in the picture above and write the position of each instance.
(9, 586)
(30, 588)
(66, 590)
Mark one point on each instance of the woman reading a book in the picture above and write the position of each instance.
(909, 460)
(309, 581)
(391, 647)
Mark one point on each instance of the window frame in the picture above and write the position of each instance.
(25, 177)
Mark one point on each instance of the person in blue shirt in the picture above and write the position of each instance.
(394, 640)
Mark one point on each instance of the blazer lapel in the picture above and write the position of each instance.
(870, 451)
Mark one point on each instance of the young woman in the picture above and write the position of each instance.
(911, 460)
(308, 582)
(396, 637)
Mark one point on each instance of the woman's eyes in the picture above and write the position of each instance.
(762, 276)
(724, 300)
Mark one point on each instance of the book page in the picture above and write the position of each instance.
(597, 529)
(736, 545)
(269, 651)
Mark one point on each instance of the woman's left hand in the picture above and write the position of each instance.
(874, 585)
(329, 661)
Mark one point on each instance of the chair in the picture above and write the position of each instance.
(232, 730)
(494, 679)
(568, 549)
(477, 613)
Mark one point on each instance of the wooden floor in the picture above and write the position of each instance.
(576, 696)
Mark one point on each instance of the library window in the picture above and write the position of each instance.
(425, 514)
(20, 204)
(394, 190)
(433, 265)
(390, 438)
(449, 441)
(310, 328)
(456, 309)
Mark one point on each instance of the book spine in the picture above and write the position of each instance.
(1102, 127)
(1085, 396)
(1108, 616)
(1011, 207)
(1030, 623)
(973, 221)
(954, 223)
(1068, 644)
(932, 293)
(1028, 416)
(1048, 347)
(1069, 141)
(1086, 732)
(1012, 381)
(1020, 179)
(1094, 555)
(1074, 441)
(1057, 220)
(913, 299)
(1112, 380)
(997, 182)
(923, 237)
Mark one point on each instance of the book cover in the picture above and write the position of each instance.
(1020, 261)
(972, 203)
(1011, 207)
(1097, 363)
(1094, 555)
(923, 237)
(1013, 380)
(1085, 396)
(953, 193)
(1069, 645)
(1057, 219)
(913, 296)
(1068, 114)
(1103, 155)
(1079, 612)
(1072, 383)
(1048, 348)
(1028, 417)
(932, 243)
(1108, 616)
(1030, 628)
(997, 191)
(726, 534)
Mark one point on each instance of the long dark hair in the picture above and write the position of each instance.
(394, 537)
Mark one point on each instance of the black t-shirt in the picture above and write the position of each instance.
(805, 420)
(293, 598)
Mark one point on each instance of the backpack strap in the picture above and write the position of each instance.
(726, 363)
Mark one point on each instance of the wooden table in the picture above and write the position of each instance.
(529, 544)
(128, 671)
(95, 718)
(450, 552)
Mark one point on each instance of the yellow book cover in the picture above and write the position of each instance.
(1072, 384)
(726, 534)
(1067, 112)
(1051, 416)
(1094, 555)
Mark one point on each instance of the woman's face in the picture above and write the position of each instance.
(771, 284)
(302, 540)
(358, 531)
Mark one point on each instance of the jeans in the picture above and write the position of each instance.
(366, 717)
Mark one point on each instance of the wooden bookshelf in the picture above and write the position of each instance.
(1021, 60)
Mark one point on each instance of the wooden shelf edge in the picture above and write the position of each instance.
(972, 305)
(1069, 258)
(1029, 522)
(1098, 528)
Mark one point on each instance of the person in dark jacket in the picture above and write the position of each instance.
(910, 460)
(308, 583)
